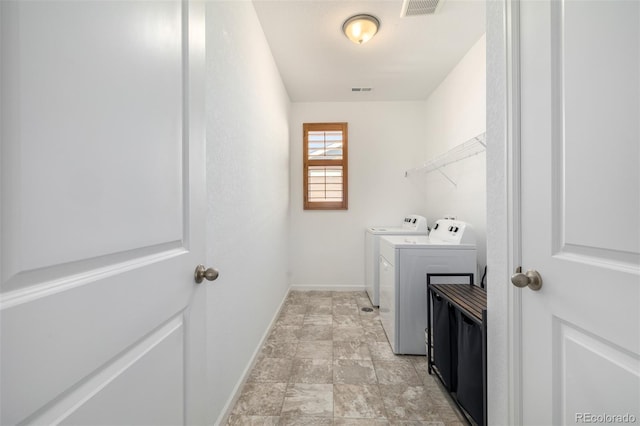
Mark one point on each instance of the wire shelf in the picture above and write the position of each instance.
(472, 147)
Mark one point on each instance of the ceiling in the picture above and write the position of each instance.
(405, 61)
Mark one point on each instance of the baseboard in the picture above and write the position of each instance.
(237, 390)
(327, 287)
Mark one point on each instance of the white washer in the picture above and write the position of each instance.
(404, 263)
(412, 225)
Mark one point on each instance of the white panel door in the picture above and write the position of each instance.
(101, 212)
(580, 189)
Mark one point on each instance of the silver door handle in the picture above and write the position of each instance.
(531, 278)
(201, 273)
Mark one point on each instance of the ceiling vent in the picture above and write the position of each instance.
(361, 89)
(420, 7)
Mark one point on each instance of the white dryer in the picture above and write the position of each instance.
(412, 225)
(404, 263)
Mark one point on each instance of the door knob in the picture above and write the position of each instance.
(530, 278)
(201, 273)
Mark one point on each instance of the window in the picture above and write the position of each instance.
(325, 166)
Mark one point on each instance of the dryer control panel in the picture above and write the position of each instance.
(452, 231)
(416, 223)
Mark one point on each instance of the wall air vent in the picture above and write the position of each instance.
(420, 7)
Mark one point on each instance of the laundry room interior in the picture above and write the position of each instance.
(260, 236)
(281, 212)
(179, 265)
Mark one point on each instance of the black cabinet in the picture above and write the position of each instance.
(456, 342)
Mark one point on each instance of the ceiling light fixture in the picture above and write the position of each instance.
(361, 28)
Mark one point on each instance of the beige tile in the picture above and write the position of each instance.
(315, 349)
(313, 400)
(290, 319)
(271, 370)
(449, 416)
(419, 361)
(346, 295)
(319, 301)
(315, 332)
(430, 381)
(404, 402)
(345, 300)
(319, 309)
(354, 371)
(305, 421)
(241, 420)
(285, 333)
(278, 349)
(343, 421)
(422, 370)
(297, 298)
(341, 309)
(370, 322)
(346, 321)
(351, 349)
(312, 371)
(375, 333)
(358, 401)
(318, 319)
(440, 400)
(381, 350)
(261, 399)
(293, 309)
(447, 412)
(348, 333)
(396, 372)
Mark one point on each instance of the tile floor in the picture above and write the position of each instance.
(327, 362)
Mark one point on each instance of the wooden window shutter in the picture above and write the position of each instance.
(325, 166)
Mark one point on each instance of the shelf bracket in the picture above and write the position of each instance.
(447, 177)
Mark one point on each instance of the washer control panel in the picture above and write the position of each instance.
(452, 231)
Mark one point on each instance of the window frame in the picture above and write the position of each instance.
(315, 127)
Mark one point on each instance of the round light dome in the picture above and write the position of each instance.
(361, 28)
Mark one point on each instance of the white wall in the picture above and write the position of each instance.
(385, 138)
(454, 113)
(503, 395)
(248, 193)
